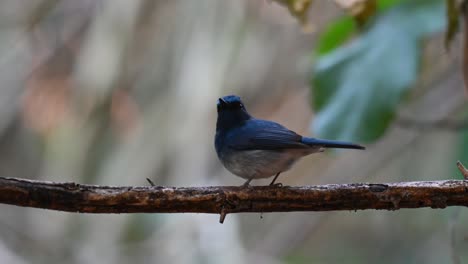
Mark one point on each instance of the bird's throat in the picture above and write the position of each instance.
(231, 119)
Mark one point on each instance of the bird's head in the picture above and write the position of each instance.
(231, 112)
(230, 103)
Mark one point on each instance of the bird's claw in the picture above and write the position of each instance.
(246, 185)
(279, 184)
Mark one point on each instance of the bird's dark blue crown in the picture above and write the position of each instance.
(229, 99)
(231, 103)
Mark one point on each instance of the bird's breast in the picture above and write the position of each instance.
(260, 163)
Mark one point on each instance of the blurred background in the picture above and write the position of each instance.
(114, 92)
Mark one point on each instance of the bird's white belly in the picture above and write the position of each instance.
(262, 163)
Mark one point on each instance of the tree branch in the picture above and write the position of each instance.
(72, 197)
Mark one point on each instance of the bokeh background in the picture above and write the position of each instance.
(114, 92)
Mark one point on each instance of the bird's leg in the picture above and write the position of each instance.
(246, 184)
(274, 179)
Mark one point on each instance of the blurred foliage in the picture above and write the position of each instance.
(335, 34)
(357, 87)
(343, 28)
(360, 10)
(461, 152)
(297, 8)
(453, 13)
(40, 12)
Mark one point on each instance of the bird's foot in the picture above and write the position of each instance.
(247, 183)
(150, 182)
(279, 184)
(274, 179)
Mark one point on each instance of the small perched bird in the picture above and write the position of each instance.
(253, 148)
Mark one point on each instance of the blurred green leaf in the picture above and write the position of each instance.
(342, 29)
(360, 10)
(336, 34)
(385, 4)
(357, 88)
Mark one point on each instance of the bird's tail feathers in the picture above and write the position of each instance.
(330, 143)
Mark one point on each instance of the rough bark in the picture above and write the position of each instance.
(72, 197)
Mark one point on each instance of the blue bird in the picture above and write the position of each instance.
(253, 148)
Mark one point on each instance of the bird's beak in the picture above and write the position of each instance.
(222, 102)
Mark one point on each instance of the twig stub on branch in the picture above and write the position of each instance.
(463, 170)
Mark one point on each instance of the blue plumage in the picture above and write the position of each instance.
(253, 148)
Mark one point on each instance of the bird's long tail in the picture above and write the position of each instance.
(330, 143)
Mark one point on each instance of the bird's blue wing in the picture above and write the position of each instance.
(258, 134)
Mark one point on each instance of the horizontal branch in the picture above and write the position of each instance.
(72, 197)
